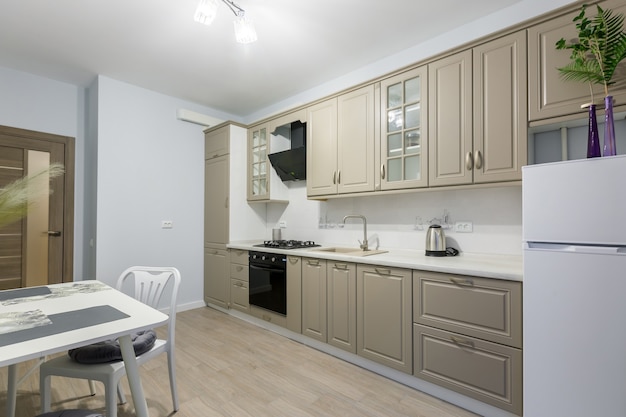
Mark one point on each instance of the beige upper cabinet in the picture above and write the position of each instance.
(450, 120)
(500, 109)
(321, 152)
(216, 143)
(258, 164)
(340, 144)
(549, 95)
(404, 127)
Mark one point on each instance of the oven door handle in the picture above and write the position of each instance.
(267, 268)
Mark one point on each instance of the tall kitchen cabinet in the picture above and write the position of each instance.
(404, 127)
(227, 217)
(340, 150)
(477, 114)
(384, 312)
(216, 217)
(550, 95)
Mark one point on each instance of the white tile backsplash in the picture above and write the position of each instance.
(496, 214)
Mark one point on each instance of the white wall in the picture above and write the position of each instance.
(150, 168)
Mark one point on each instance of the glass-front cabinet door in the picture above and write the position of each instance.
(258, 173)
(404, 140)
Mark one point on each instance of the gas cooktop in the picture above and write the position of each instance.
(287, 244)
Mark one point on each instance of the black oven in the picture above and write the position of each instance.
(268, 281)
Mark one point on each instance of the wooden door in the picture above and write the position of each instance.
(38, 249)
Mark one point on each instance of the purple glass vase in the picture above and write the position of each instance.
(593, 139)
(609, 127)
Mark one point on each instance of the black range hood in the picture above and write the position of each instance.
(290, 165)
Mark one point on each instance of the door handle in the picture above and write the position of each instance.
(478, 159)
(55, 233)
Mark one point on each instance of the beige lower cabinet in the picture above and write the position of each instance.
(468, 336)
(314, 299)
(217, 276)
(294, 293)
(486, 371)
(341, 300)
(384, 332)
(239, 280)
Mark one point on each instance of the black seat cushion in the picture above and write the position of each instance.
(71, 413)
(109, 350)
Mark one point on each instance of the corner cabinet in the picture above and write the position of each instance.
(550, 95)
(340, 144)
(404, 126)
(477, 114)
(384, 307)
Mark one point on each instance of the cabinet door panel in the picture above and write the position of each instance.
(321, 153)
(314, 299)
(500, 127)
(342, 305)
(384, 316)
(239, 295)
(489, 372)
(450, 119)
(355, 153)
(216, 277)
(258, 164)
(216, 200)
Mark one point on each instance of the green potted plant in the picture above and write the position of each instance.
(16, 197)
(595, 56)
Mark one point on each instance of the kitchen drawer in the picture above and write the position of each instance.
(239, 295)
(488, 372)
(239, 271)
(239, 256)
(489, 309)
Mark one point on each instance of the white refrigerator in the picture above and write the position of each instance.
(574, 289)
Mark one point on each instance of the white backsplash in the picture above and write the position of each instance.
(496, 214)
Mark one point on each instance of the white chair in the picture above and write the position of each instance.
(149, 283)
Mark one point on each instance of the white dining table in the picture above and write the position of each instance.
(40, 321)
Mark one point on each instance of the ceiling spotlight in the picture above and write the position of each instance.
(244, 28)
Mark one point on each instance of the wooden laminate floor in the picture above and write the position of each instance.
(228, 367)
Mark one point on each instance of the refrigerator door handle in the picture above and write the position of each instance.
(591, 249)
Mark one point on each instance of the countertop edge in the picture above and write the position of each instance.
(497, 266)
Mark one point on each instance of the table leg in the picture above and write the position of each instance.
(12, 390)
(132, 372)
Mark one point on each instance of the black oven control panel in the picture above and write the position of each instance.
(267, 259)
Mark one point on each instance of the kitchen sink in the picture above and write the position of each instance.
(351, 251)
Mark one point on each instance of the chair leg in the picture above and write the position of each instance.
(92, 387)
(172, 371)
(44, 392)
(110, 395)
(12, 390)
(120, 394)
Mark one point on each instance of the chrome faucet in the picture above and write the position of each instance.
(363, 245)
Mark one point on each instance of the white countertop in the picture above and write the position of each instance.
(508, 267)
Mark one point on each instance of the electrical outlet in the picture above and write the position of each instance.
(463, 227)
(282, 224)
(167, 224)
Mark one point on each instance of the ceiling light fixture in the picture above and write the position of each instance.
(244, 28)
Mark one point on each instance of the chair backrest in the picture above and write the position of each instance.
(149, 283)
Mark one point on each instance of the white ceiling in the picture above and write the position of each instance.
(155, 44)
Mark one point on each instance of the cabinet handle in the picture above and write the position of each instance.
(382, 171)
(341, 266)
(226, 203)
(334, 177)
(383, 271)
(293, 260)
(338, 177)
(462, 342)
(469, 162)
(239, 268)
(478, 159)
(213, 252)
(267, 318)
(313, 262)
(239, 284)
(465, 282)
